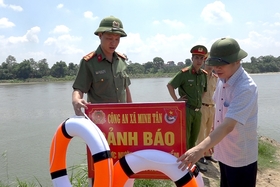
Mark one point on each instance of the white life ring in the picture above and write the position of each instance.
(151, 159)
(84, 128)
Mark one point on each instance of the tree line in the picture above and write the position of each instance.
(11, 69)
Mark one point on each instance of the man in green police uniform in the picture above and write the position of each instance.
(192, 84)
(102, 73)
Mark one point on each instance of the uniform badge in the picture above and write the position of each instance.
(116, 24)
(99, 58)
(98, 117)
(100, 72)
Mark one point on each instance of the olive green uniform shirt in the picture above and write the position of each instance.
(190, 84)
(101, 80)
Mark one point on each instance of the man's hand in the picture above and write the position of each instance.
(189, 158)
(78, 104)
(183, 98)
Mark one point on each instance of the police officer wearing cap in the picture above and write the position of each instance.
(235, 137)
(192, 84)
(102, 74)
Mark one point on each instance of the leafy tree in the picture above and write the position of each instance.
(161, 70)
(59, 69)
(72, 69)
(10, 69)
(271, 67)
(11, 60)
(11, 63)
(188, 62)
(180, 64)
(24, 70)
(4, 73)
(135, 68)
(171, 63)
(172, 69)
(253, 60)
(44, 69)
(149, 67)
(158, 63)
(35, 69)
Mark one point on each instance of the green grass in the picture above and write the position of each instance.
(267, 152)
(21, 183)
(153, 183)
(78, 174)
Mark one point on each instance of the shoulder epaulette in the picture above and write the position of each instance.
(89, 56)
(204, 71)
(122, 55)
(215, 75)
(185, 69)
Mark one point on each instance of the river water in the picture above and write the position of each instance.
(31, 113)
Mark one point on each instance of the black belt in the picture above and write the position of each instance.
(192, 107)
(208, 105)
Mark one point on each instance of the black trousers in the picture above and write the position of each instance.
(238, 176)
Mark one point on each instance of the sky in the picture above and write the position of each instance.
(63, 30)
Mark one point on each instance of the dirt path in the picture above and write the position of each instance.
(265, 178)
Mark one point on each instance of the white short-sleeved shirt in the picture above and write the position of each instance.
(237, 99)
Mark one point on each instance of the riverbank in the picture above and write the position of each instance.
(37, 80)
(268, 169)
(72, 78)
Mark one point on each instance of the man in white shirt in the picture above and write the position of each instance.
(234, 137)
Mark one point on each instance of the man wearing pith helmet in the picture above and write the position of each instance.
(192, 84)
(102, 73)
(234, 137)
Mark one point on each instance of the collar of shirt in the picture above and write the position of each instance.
(234, 77)
(194, 72)
(101, 56)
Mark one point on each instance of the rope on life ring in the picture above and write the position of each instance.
(151, 159)
(84, 128)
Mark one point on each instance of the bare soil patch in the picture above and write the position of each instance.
(265, 177)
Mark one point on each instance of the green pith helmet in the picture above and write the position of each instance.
(111, 24)
(225, 51)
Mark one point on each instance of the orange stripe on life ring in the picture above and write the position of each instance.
(103, 165)
(58, 150)
(97, 143)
